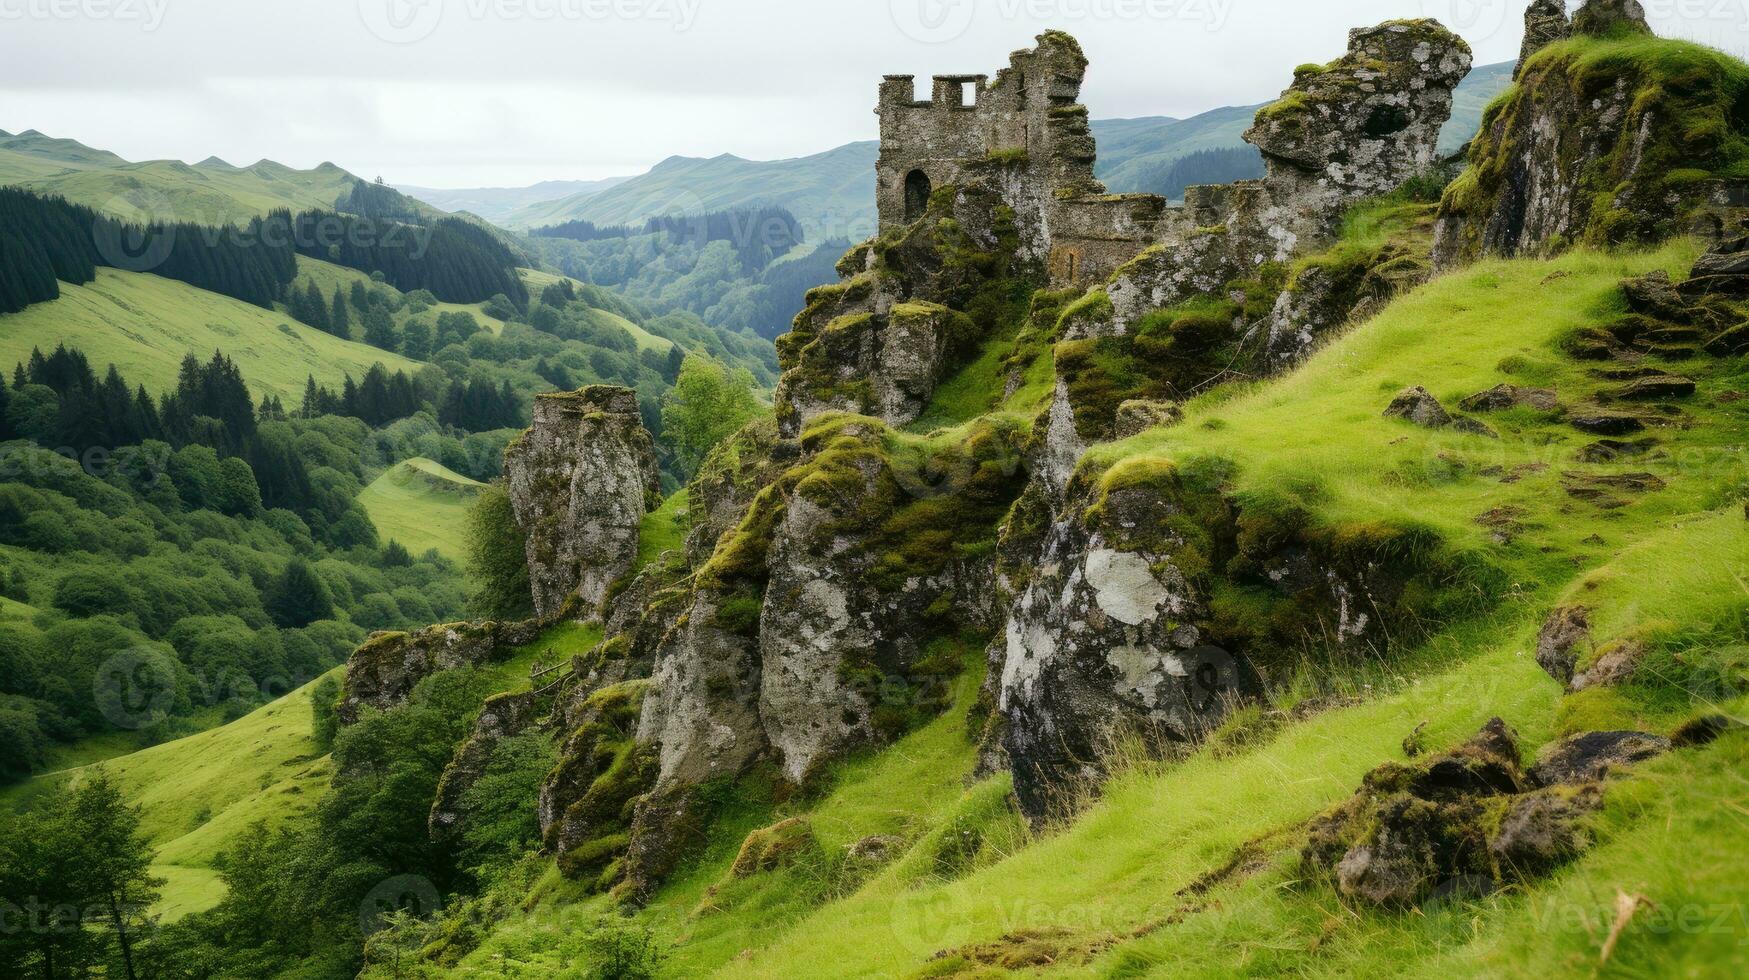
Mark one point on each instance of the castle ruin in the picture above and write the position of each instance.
(1358, 126)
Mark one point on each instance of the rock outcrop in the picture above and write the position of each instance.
(383, 671)
(502, 717)
(1545, 22)
(1584, 149)
(581, 479)
(1464, 822)
(839, 571)
(1362, 124)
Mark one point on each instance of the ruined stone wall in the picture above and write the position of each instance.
(1025, 134)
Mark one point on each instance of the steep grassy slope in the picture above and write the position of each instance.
(1189, 867)
(199, 793)
(146, 324)
(423, 505)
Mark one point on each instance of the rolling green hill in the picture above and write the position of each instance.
(537, 280)
(199, 793)
(146, 324)
(327, 276)
(211, 192)
(828, 192)
(423, 505)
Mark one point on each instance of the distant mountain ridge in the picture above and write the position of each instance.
(832, 193)
(210, 192)
(497, 204)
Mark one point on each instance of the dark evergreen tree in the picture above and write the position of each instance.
(298, 597)
(339, 321)
(379, 329)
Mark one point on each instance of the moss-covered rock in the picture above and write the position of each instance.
(913, 308)
(586, 800)
(503, 716)
(1368, 120)
(1609, 137)
(383, 671)
(781, 845)
(581, 479)
(1465, 821)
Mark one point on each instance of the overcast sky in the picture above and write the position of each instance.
(459, 93)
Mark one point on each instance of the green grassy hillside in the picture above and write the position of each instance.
(327, 276)
(211, 192)
(1189, 867)
(423, 505)
(146, 324)
(199, 793)
(537, 280)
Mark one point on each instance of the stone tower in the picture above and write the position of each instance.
(1028, 115)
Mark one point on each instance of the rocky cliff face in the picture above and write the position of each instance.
(581, 479)
(840, 570)
(1597, 144)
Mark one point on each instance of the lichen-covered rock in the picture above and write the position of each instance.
(1558, 644)
(1615, 664)
(501, 717)
(702, 715)
(1326, 295)
(879, 342)
(1590, 756)
(1418, 405)
(1598, 144)
(383, 671)
(1365, 122)
(1602, 17)
(581, 479)
(1545, 22)
(586, 801)
(1138, 415)
(1102, 643)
